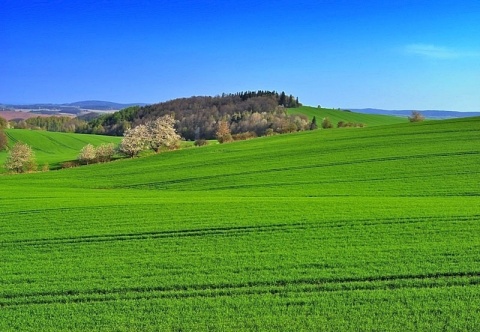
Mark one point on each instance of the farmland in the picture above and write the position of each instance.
(346, 229)
(336, 115)
(54, 148)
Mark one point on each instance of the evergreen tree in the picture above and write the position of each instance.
(313, 125)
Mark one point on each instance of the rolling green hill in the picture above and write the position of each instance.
(337, 115)
(54, 148)
(362, 229)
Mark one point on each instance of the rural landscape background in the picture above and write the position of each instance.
(245, 174)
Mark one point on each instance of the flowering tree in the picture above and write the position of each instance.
(21, 159)
(105, 152)
(87, 154)
(134, 140)
(161, 133)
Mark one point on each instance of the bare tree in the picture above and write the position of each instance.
(21, 159)
(223, 133)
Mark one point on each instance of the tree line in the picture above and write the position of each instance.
(196, 118)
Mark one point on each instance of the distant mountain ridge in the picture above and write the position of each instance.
(429, 114)
(96, 105)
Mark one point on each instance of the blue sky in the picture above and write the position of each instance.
(397, 54)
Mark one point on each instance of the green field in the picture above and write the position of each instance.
(337, 115)
(53, 148)
(371, 229)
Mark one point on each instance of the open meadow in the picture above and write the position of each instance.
(371, 228)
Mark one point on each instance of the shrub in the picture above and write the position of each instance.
(69, 164)
(342, 124)
(244, 136)
(269, 132)
(201, 142)
(326, 123)
(3, 123)
(3, 141)
(416, 117)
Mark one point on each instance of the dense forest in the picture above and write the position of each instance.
(256, 112)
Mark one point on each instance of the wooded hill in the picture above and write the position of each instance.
(257, 112)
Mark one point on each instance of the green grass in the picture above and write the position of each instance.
(54, 148)
(363, 229)
(337, 115)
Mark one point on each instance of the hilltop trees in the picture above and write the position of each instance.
(21, 159)
(197, 117)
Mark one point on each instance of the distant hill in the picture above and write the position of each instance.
(429, 114)
(72, 108)
(255, 112)
(102, 105)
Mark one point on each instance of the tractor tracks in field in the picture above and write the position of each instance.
(252, 288)
(232, 231)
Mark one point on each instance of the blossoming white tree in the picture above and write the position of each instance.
(161, 133)
(87, 154)
(134, 141)
(21, 159)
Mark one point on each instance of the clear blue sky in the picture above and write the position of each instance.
(396, 54)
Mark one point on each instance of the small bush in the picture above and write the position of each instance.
(201, 142)
(69, 164)
(244, 136)
(326, 123)
(416, 117)
(342, 124)
(225, 138)
(269, 132)
(3, 141)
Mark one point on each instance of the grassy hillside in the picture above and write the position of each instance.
(363, 229)
(337, 115)
(54, 148)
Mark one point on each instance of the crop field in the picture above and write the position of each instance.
(53, 148)
(364, 229)
(338, 115)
